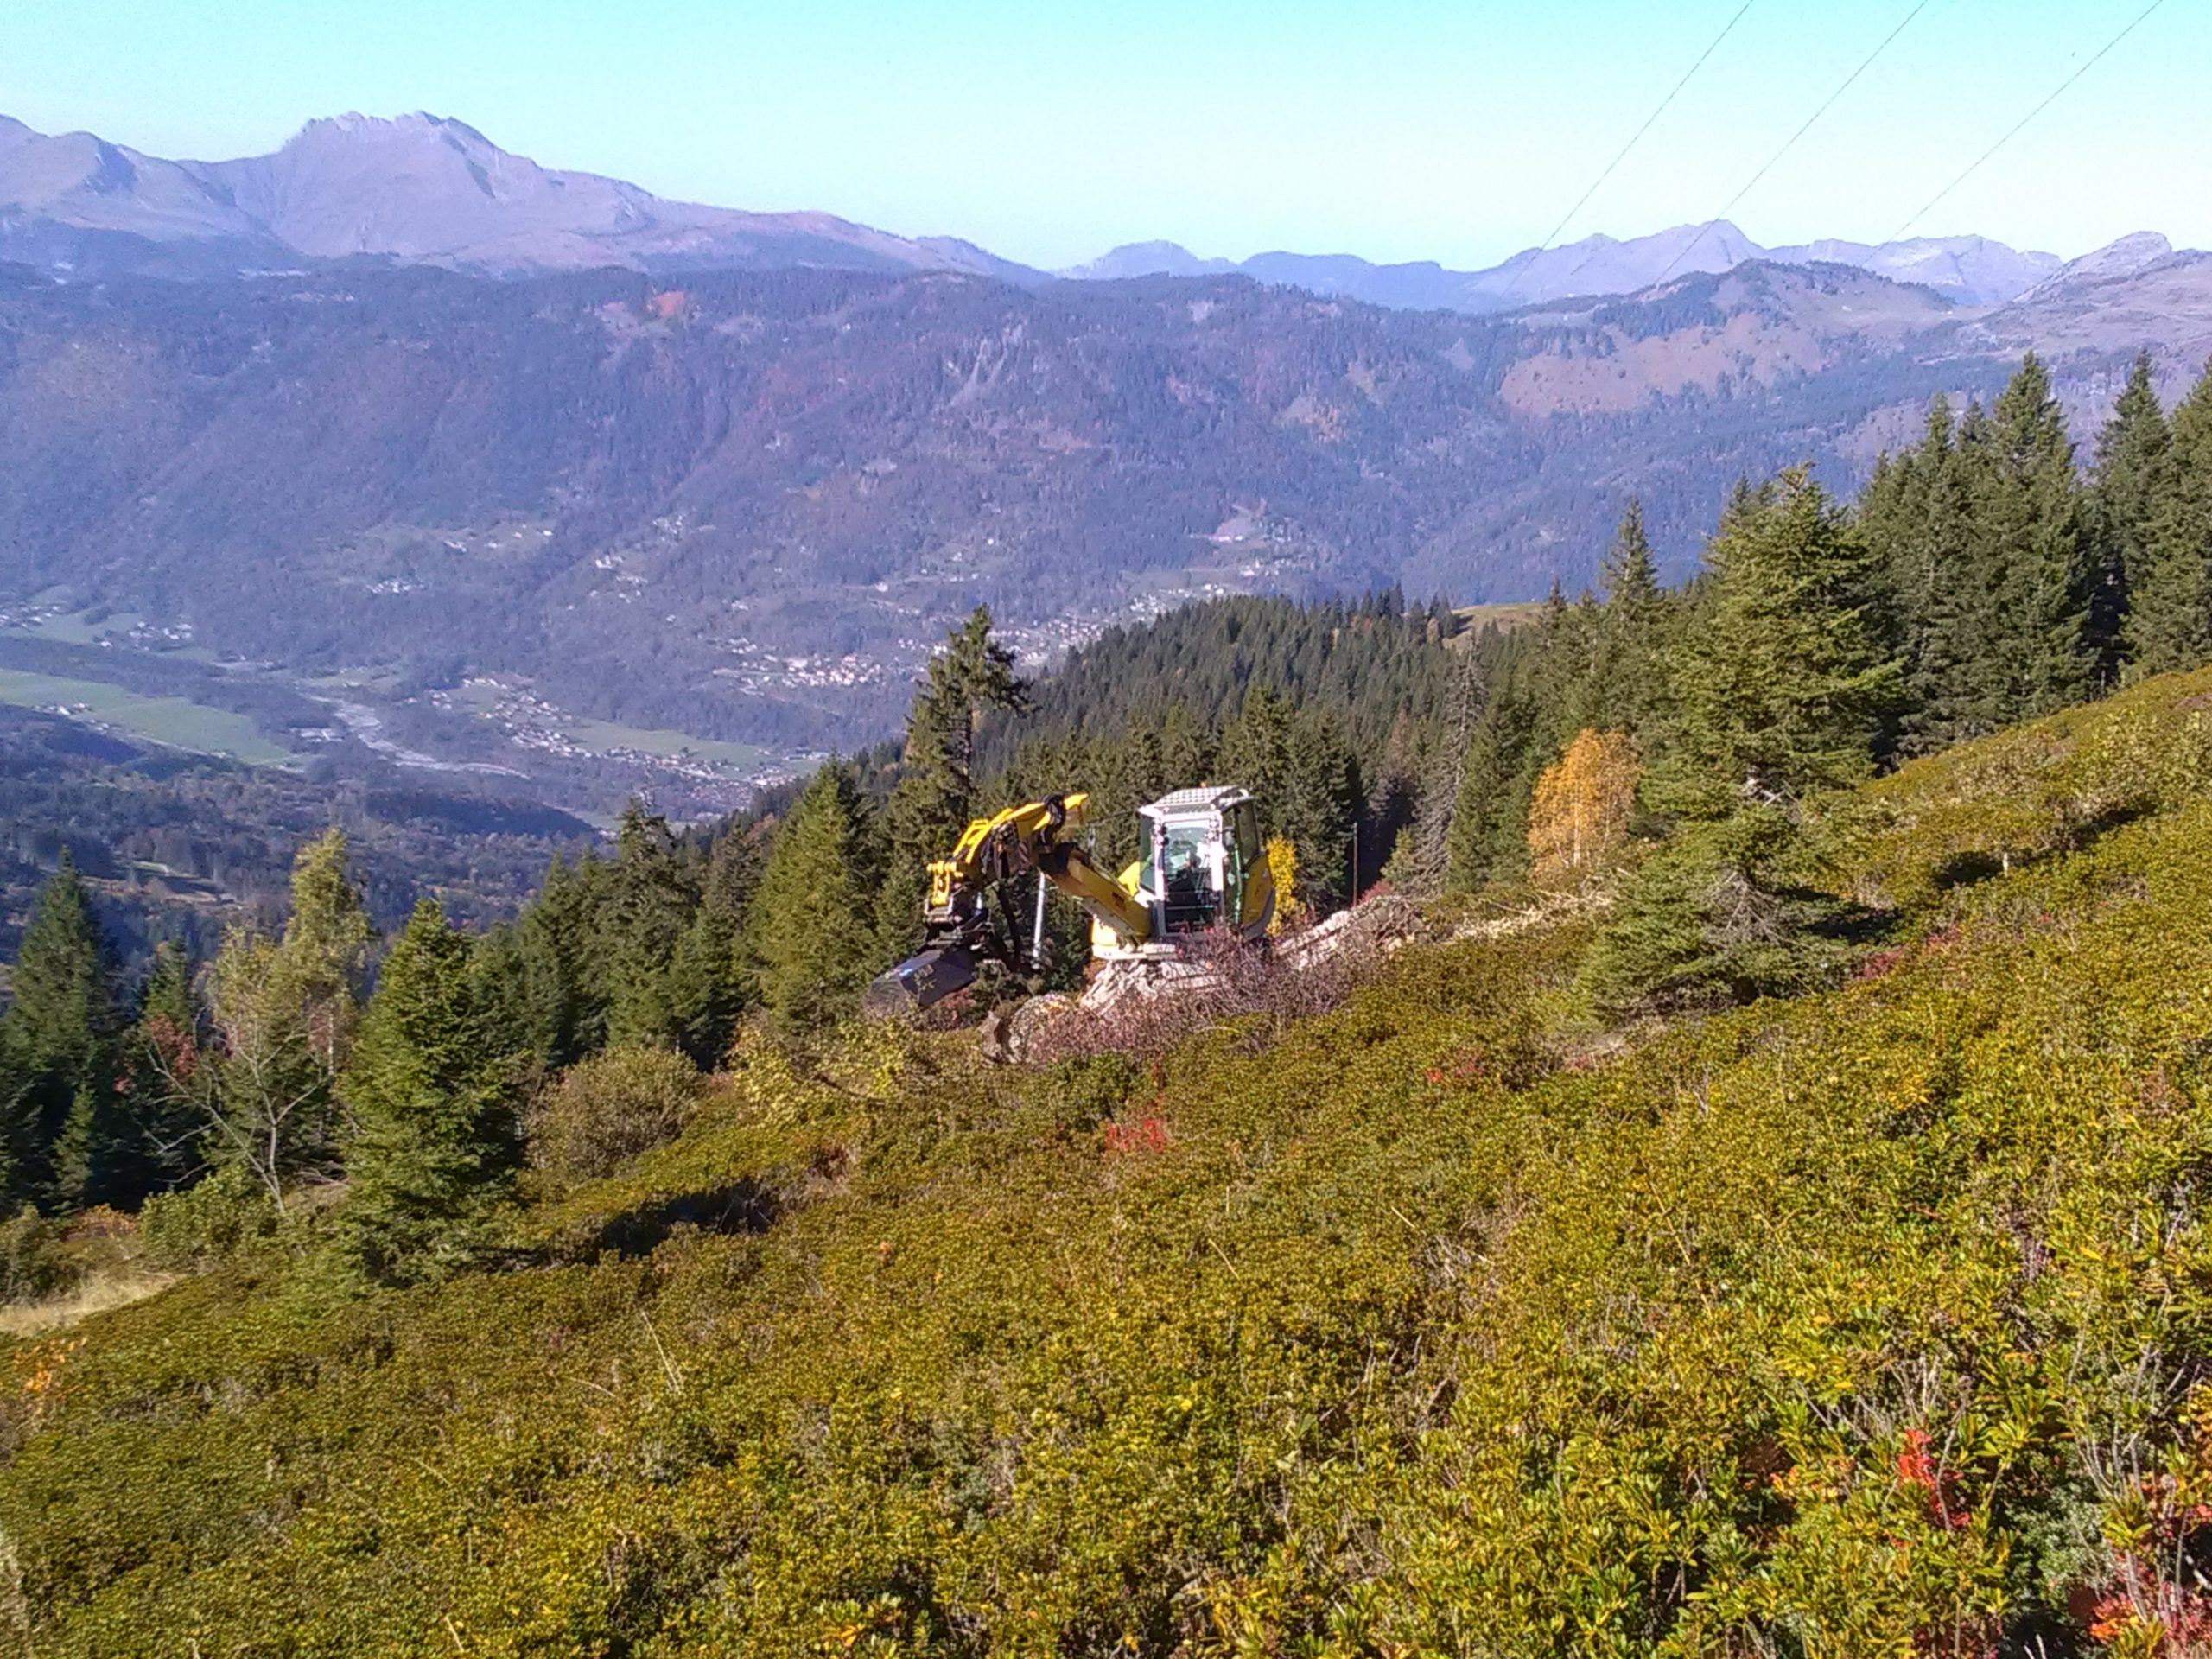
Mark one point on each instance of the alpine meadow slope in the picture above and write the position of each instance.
(1855, 1322)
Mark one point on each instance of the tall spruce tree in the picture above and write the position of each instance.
(561, 953)
(1628, 676)
(1945, 590)
(433, 1095)
(649, 900)
(711, 977)
(1893, 514)
(59, 1037)
(2126, 493)
(1780, 689)
(809, 933)
(1320, 809)
(168, 1075)
(1488, 837)
(2030, 526)
(935, 796)
(1422, 860)
(1185, 747)
(1255, 753)
(2170, 625)
(1393, 797)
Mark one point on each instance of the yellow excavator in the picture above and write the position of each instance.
(1203, 874)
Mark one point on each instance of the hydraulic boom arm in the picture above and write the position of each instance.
(959, 926)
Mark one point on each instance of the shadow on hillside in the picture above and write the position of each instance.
(1964, 870)
(1972, 866)
(745, 1206)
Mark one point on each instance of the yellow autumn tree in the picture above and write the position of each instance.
(1282, 865)
(1580, 815)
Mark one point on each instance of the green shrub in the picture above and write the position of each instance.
(213, 1219)
(604, 1110)
(36, 1262)
(1707, 920)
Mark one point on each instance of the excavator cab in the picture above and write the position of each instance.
(1206, 868)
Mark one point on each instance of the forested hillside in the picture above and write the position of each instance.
(180, 847)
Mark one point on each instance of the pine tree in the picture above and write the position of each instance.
(86, 1153)
(1130, 772)
(1393, 797)
(935, 796)
(649, 902)
(2170, 624)
(165, 1065)
(1320, 809)
(1704, 921)
(1948, 588)
(1779, 690)
(1781, 687)
(59, 1034)
(1422, 862)
(1628, 678)
(809, 932)
(1893, 514)
(433, 1095)
(2125, 498)
(1488, 837)
(562, 950)
(710, 980)
(2028, 522)
(1255, 753)
(1185, 747)
(1631, 575)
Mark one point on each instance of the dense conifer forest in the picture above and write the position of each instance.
(1757, 1213)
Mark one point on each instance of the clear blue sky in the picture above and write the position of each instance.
(1049, 132)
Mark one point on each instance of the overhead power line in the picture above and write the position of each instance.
(1791, 142)
(2013, 131)
(1597, 183)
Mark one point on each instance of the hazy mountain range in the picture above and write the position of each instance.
(1971, 269)
(743, 504)
(428, 190)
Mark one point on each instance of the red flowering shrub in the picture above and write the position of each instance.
(1918, 1467)
(1145, 1134)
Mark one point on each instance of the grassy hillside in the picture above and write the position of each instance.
(1450, 1322)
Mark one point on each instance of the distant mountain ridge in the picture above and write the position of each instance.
(428, 189)
(1971, 270)
(420, 189)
